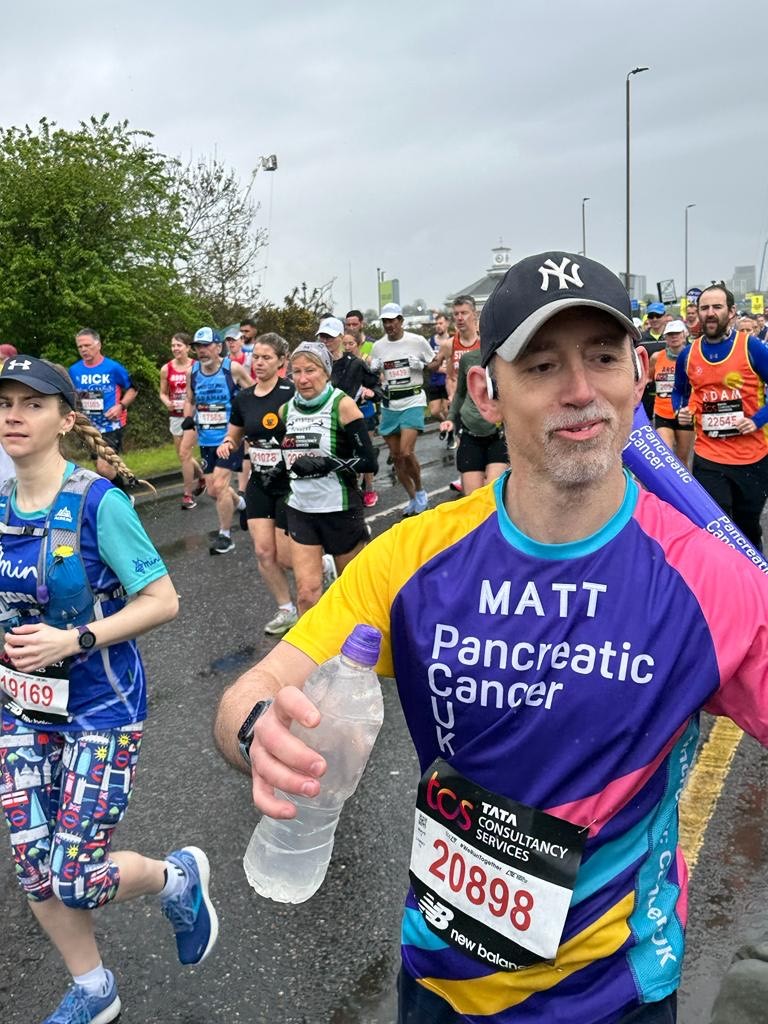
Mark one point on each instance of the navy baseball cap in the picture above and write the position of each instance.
(41, 376)
(536, 289)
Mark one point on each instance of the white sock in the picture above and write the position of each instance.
(95, 982)
(290, 607)
(174, 880)
(225, 533)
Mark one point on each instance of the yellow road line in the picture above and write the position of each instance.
(698, 802)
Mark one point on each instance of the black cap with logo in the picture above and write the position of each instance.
(537, 288)
(39, 375)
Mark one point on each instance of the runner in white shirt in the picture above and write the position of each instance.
(402, 358)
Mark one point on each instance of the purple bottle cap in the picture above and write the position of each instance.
(363, 645)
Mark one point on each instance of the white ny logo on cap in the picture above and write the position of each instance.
(15, 364)
(550, 268)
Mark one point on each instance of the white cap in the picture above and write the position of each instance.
(675, 327)
(331, 326)
(390, 311)
(203, 337)
(232, 333)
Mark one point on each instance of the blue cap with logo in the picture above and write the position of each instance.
(656, 307)
(538, 288)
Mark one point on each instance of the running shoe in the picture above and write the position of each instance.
(29, 754)
(80, 1007)
(281, 623)
(370, 498)
(222, 545)
(190, 911)
(329, 571)
(188, 502)
(455, 485)
(410, 509)
(420, 502)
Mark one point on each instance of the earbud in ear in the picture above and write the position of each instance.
(637, 364)
(490, 384)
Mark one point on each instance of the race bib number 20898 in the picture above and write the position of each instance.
(492, 877)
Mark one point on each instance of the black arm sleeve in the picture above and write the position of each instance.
(365, 458)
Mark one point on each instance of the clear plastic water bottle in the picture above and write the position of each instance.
(287, 859)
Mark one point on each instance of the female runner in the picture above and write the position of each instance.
(325, 446)
(173, 392)
(255, 417)
(79, 580)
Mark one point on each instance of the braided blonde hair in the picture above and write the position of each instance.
(89, 437)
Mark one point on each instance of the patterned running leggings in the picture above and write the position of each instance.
(62, 795)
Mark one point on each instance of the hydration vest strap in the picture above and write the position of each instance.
(23, 531)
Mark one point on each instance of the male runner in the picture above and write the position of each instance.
(652, 340)
(692, 321)
(437, 394)
(354, 323)
(210, 387)
(720, 388)
(466, 338)
(402, 358)
(105, 390)
(552, 693)
(350, 373)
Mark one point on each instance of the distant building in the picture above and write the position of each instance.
(637, 288)
(501, 261)
(744, 280)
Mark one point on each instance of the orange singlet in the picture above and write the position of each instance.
(458, 349)
(720, 394)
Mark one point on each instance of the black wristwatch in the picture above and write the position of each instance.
(86, 639)
(245, 732)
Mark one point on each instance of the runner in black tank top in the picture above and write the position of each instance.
(254, 416)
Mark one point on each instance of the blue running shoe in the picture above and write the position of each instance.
(410, 509)
(190, 911)
(420, 502)
(79, 1007)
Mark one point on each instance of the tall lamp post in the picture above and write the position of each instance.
(584, 202)
(690, 206)
(634, 71)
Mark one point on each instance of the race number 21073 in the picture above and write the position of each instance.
(481, 889)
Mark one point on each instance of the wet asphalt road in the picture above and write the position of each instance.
(334, 959)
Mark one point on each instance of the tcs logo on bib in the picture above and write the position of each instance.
(447, 803)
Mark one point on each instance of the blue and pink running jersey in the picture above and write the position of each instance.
(569, 678)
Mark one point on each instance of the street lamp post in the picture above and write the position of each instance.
(634, 71)
(690, 206)
(584, 202)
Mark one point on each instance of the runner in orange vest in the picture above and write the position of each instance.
(677, 437)
(720, 388)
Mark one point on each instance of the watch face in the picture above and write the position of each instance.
(87, 640)
(246, 729)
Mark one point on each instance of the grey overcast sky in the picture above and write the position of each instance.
(412, 136)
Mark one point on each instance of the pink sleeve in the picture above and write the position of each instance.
(733, 596)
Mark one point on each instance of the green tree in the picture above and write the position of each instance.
(223, 241)
(92, 232)
(293, 321)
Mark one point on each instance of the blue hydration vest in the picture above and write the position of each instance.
(48, 573)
